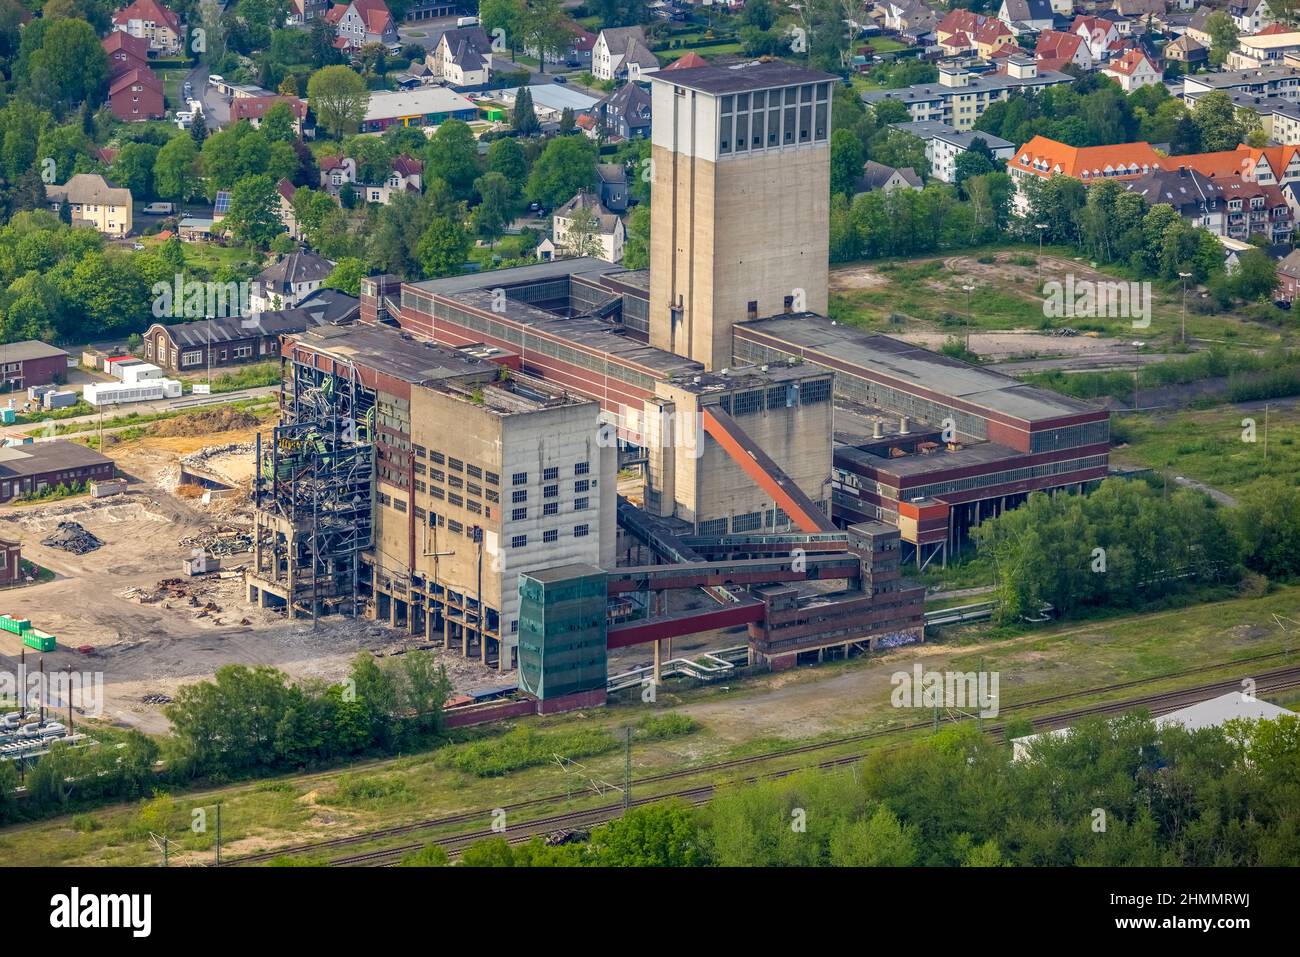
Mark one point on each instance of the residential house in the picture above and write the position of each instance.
(285, 191)
(463, 57)
(625, 113)
(1265, 49)
(1133, 70)
(305, 11)
(254, 108)
(1198, 26)
(237, 340)
(961, 96)
(612, 186)
(1026, 16)
(1187, 51)
(289, 281)
(609, 234)
(991, 35)
(125, 52)
(149, 20)
(94, 203)
(405, 176)
(361, 22)
(957, 28)
(1250, 16)
(1279, 81)
(622, 52)
(1099, 33)
(575, 52)
(336, 172)
(943, 145)
(1043, 158)
(1198, 198)
(878, 176)
(1288, 276)
(137, 95)
(1056, 48)
(1254, 209)
(1140, 10)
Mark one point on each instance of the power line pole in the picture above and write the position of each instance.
(627, 768)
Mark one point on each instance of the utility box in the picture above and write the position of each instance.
(562, 631)
(60, 400)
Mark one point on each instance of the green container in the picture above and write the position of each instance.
(34, 638)
(15, 625)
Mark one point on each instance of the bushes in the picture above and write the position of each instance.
(670, 725)
(525, 748)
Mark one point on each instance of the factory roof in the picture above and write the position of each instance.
(717, 80)
(322, 306)
(38, 458)
(899, 360)
(393, 353)
(29, 349)
(747, 377)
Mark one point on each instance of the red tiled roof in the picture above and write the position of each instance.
(286, 189)
(145, 77)
(1272, 29)
(1044, 158)
(1129, 63)
(255, 107)
(148, 10)
(1057, 45)
(687, 62)
(407, 165)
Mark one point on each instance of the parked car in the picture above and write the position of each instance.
(560, 79)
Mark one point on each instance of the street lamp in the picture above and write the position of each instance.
(1184, 276)
(1042, 228)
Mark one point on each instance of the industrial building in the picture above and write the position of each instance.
(789, 467)
(30, 362)
(36, 466)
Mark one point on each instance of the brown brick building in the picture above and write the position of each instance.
(29, 363)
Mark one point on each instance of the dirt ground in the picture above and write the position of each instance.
(147, 644)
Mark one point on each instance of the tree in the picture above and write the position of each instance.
(847, 158)
(199, 129)
(506, 156)
(663, 834)
(636, 251)
(567, 165)
(1223, 36)
(443, 247)
(133, 169)
(254, 211)
(278, 123)
(493, 213)
(338, 97)
(175, 169)
(545, 28)
(1216, 117)
(233, 154)
(567, 120)
(878, 841)
(69, 67)
(346, 276)
(505, 15)
(524, 118)
(582, 235)
(453, 157)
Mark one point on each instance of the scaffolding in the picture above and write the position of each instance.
(313, 491)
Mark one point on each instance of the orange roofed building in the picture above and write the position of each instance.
(1042, 158)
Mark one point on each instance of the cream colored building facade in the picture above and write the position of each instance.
(739, 221)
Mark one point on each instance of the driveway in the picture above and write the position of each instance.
(216, 108)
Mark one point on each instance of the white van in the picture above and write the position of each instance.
(467, 22)
(159, 209)
(184, 120)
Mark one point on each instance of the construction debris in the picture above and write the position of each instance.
(157, 698)
(222, 540)
(72, 537)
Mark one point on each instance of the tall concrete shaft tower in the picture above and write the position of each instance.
(740, 207)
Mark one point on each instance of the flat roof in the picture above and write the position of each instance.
(29, 349)
(896, 359)
(1226, 78)
(925, 92)
(419, 102)
(391, 352)
(559, 573)
(514, 276)
(918, 463)
(931, 130)
(761, 75)
(38, 458)
(554, 96)
(747, 377)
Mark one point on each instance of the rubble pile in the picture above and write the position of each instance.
(157, 698)
(222, 541)
(72, 537)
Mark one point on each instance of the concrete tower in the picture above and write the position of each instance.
(740, 210)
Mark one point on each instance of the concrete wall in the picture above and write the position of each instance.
(730, 230)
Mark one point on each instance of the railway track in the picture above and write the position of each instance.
(1159, 703)
(1282, 680)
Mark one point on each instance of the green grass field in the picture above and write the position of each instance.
(1208, 446)
(848, 697)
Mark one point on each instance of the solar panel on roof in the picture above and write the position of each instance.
(222, 204)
